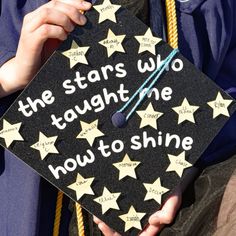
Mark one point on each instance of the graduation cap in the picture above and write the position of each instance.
(115, 118)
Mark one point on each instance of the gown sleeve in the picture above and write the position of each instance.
(207, 37)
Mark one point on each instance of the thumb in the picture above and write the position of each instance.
(167, 214)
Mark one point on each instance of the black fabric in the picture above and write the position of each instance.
(201, 202)
(140, 8)
(44, 225)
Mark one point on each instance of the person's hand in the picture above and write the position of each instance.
(53, 20)
(165, 215)
(157, 221)
(106, 230)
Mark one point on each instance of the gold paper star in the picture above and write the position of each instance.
(148, 42)
(82, 186)
(127, 167)
(132, 219)
(178, 164)
(185, 111)
(89, 131)
(107, 11)
(220, 106)
(149, 116)
(155, 191)
(10, 133)
(108, 200)
(76, 54)
(113, 43)
(45, 145)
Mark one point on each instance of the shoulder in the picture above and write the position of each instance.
(191, 6)
(19, 7)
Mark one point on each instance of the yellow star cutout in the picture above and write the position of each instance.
(220, 106)
(82, 186)
(127, 167)
(148, 42)
(178, 164)
(132, 219)
(113, 43)
(76, 54)
(107, 11)
(149, 116)
(89, 131)
(45, 145)
(185, 111)
(155, 191)
(10, 133)
(108, 200)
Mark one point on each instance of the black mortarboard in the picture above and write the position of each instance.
(115, 117)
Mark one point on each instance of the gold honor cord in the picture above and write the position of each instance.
(172, 34)
(172, 31)
(57, 219)
(80, 220)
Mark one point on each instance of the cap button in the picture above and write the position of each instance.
(118, 119)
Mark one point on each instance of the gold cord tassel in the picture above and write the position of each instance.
(172, 31)
(80, 221)
(57, 220)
